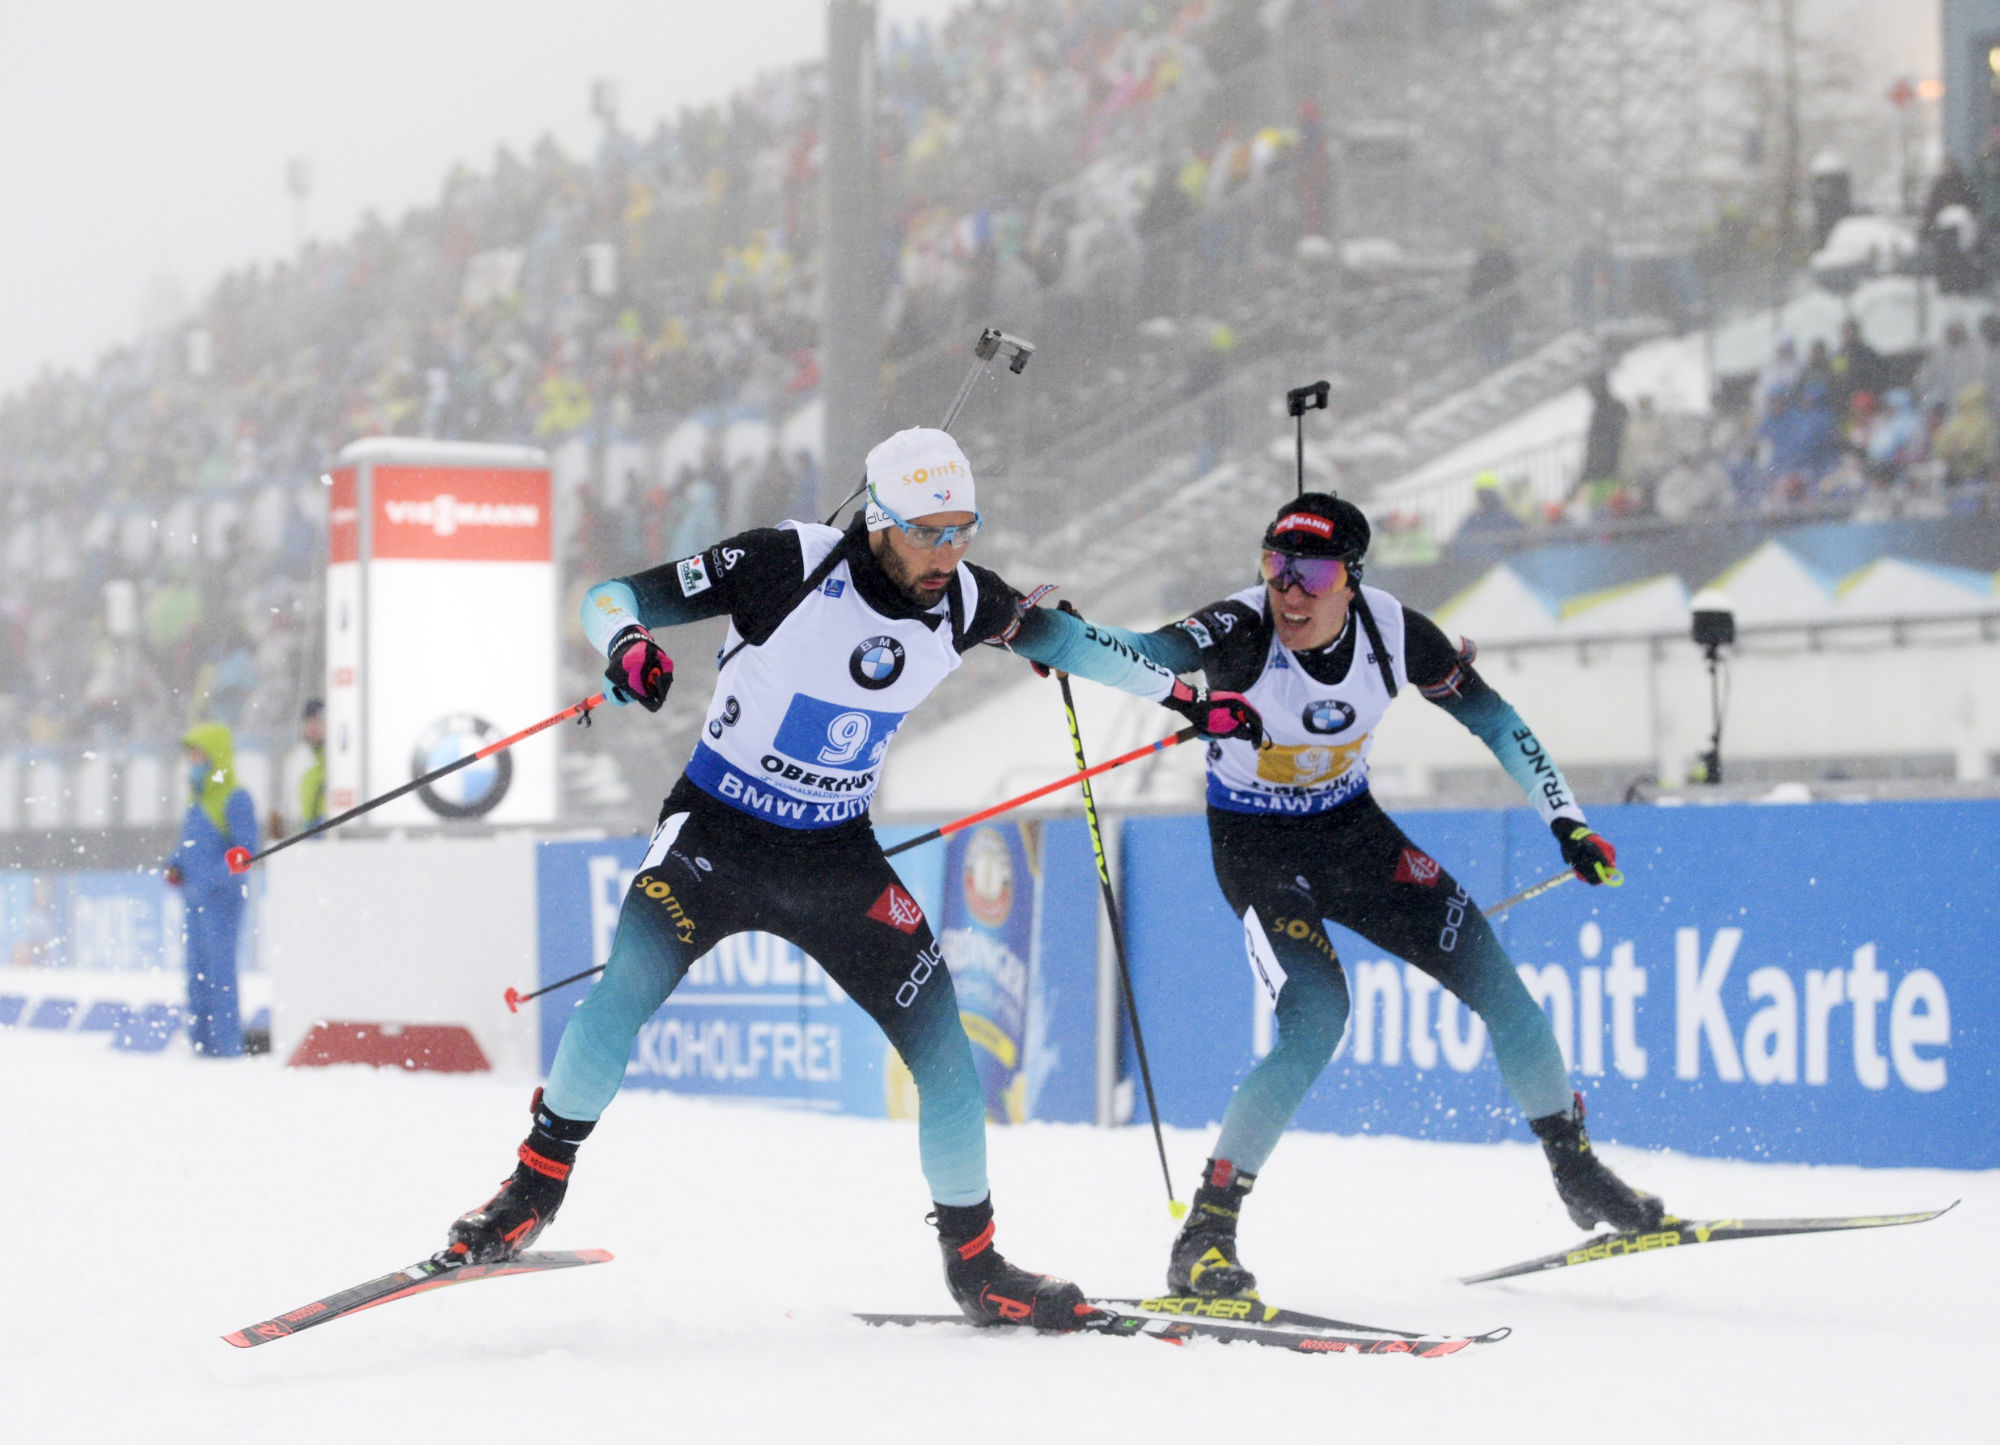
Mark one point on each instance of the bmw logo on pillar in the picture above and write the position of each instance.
(475, 789)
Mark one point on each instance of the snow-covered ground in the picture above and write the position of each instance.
(153, 1203)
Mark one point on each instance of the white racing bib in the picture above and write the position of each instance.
(1320, 733)
(798, 726)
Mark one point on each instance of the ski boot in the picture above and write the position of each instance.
(1590, 1191)
(1204, 1260)
(528, 1199)
(990, 1290)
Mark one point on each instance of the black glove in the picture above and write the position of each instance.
(1217, 714)
(1588, 852)
(639, 671)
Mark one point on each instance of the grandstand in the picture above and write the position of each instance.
(1458, 212)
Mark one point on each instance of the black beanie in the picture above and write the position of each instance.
(1319, 524)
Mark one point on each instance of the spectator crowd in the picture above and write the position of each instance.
(1149, 179)
(653, 309)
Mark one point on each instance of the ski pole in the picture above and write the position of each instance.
(1057, 786)
(1533, 890)
(240, 859)
(515, 998)
(1298, 401)
(991, 343)
(1174, 1206)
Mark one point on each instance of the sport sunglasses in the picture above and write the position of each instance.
(926, 537)
(1313, 576)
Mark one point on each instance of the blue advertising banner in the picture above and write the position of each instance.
(101, 952)
(1810, 983)
(123, 920)
(754, 1018)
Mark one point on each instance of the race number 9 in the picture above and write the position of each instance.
(846, 735)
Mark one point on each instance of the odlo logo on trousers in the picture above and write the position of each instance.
(928, 962)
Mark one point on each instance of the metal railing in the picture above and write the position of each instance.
(1133, 518)
(1531, 480)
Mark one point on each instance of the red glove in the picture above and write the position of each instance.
(1217, 714)
(1588, 852)
(639, 671)
(173, 876)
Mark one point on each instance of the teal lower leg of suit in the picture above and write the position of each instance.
(1312, 1008)
(648, 960)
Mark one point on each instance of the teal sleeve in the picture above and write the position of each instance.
(608, 609)
(1141, 663)
(1492, 719)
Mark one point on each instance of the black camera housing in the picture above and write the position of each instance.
(1714, 628)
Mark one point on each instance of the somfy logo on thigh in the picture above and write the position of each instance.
(474, 790)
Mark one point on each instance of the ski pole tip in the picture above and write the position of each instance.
(238, 860)
(513, 997)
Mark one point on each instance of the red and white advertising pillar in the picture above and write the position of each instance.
(441, 628)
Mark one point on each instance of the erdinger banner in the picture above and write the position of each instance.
(441, 628)
(991, 896)
(1809, 983)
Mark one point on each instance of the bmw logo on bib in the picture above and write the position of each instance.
(876, 663)
(1327, 716)
(474, 790)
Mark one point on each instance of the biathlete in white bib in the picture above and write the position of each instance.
(834, 637)
(1297, 840)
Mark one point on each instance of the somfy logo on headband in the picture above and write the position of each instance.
(935, 472)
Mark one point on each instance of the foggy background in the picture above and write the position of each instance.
(1546, 254)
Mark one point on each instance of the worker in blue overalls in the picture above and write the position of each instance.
(220, 817)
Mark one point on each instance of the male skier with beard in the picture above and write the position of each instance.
(834, 637)
(1296, 839)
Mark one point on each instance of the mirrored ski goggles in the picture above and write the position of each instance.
(1311, 575)
(925, 537)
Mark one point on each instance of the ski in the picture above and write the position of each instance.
(1676, 1232)
(1231, 1309)
(1182, 1329)
(427, 1275)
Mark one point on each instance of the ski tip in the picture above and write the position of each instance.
(236, 1338)
(595, 1256)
